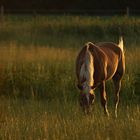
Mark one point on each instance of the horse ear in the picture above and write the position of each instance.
(80, 87)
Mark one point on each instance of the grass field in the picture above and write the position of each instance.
(38, 96)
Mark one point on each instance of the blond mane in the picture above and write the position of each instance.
(87, 68)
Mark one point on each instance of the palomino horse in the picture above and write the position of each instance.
(95, 64)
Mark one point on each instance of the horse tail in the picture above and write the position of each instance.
(121, 44)
(87, 69)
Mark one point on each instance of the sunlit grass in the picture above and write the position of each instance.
(36, 71)
(31, 119)
(48, 108)
(38, 94)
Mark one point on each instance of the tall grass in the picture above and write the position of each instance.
(42, 30)
(36, 72)
(38, 94)
(41, 71)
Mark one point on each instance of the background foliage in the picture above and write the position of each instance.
(70, 4)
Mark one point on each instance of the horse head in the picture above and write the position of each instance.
(86, 98)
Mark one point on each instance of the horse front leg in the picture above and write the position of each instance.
(103, 97)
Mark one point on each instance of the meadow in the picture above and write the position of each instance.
(38, 94)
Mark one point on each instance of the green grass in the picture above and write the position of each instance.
(37, 72)
(30, 119)
(38, 94)
(39, 99)
(42, 30)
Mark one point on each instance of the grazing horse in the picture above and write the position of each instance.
(95, 64)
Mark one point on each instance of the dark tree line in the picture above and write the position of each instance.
(70, 4)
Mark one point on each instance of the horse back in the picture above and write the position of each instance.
(115, 59)
(108, 61)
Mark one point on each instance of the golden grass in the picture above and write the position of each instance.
(38, 96)
(14, 53)
(29, 71)
(31, 119)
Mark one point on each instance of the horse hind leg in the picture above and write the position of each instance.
(104, 98)
(117, 85)
(117, 81)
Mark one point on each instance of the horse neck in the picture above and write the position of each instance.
(87, 69)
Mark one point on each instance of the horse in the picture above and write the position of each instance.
(96, 64)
